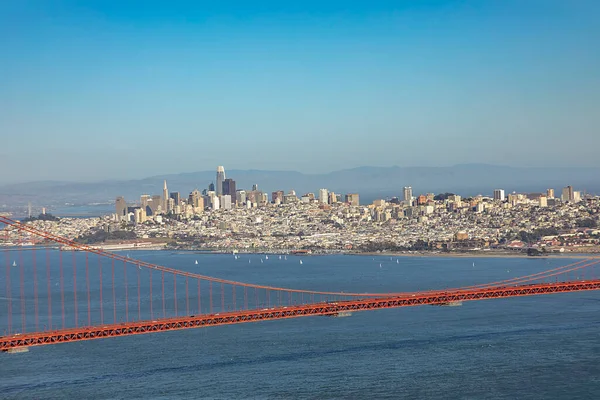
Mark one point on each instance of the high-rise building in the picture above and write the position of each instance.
(170, 205)
(220, 180)
(195, 199)
(176, 198)
(156, 204)
(499, 194)
(211, 188)
(352, 199)
(165, 198)
(240, 197)
(225, 202)
(121, 206)
(255, 187)
(567, 194)
(550, 193)
(408, 196)
(543, 201)
(229, 187)
(323, 196)
(332, 198)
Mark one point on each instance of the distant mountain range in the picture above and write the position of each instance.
(370, 182)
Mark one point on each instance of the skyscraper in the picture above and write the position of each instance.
(220, 179)
(567, 194)
(121, 207)
(499, 194)
(323, 196)
(550, 193)
(408, 196)
(229, 187)
(176, 198)
(165, 198)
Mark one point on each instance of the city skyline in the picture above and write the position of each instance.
(435, 84)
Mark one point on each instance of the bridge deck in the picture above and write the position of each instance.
(330, 308)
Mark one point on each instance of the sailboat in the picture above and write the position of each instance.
(248, 261)
(397, 262)
(473, 265)
(266, 257)
(280, 257)
(379, 265)
(14, 263)
(261, 260)
(300, 262)
(196, 262)
(285, 257)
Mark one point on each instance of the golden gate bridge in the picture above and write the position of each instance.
(87, 293)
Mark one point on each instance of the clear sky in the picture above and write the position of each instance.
(100, 90)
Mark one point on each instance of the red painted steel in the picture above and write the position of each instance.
(236, 317)
(287, 303)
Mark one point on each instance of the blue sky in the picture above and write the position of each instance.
(95, 90)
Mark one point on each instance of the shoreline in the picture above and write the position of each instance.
(428, 254)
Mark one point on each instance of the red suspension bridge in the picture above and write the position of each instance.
(86, 293)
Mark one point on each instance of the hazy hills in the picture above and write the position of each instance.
(370, 182)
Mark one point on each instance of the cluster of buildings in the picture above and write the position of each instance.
(222, 196)
(225, 218)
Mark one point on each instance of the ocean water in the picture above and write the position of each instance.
(522, 348)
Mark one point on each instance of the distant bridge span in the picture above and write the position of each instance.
(124, 304)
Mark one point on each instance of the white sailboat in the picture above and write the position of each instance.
(300, 262)
(266, 257)
(196, 262)
(397, 262)
(261, 260)
(14, 263)
(280, 257)
(285, 257)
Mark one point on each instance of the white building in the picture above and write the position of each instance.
(499, 195)
(225, 202)
(220, 180)
(323, 196)
(408, 195)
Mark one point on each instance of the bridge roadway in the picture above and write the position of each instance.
(16, 342)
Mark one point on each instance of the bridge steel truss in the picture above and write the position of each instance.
(318, 309)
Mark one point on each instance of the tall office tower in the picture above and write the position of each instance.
(170, 205)
(146, 201)
(408, 196)
(156, 204)
(550, 193)
(211, 188)
(229, 187)
(255, 187)
(332, 198)
(220, 179)
(225, 202)
(240, 197)
(194, 198)
(567, 194)
(121, 207)
(165, 198)
(499, 194)
(323, 196)
(176, 198)
(352, 199)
